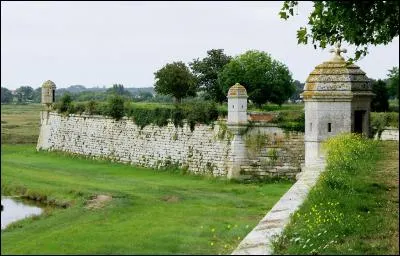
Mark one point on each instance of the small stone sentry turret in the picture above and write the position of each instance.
(48, 93)
(337, 98)
(237, 104)
(237, 122)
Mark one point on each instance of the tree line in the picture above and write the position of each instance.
(265, 79)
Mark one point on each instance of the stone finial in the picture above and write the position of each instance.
(336, 51)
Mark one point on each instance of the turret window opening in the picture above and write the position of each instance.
(329, 127)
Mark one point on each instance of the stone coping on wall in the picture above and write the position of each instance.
(259, 240)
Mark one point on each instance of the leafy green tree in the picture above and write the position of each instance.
(119, 89)
(299, 89)
(24, 93)
(360, 23)
(380, 102)
(206, 72)
(37, 95)
(393, 82)
(265, 79)
(6, 95)
(175, 79)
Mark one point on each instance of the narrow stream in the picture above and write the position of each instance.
(14, 210)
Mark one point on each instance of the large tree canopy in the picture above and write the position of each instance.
(207, 70)
(265, 79)
(380, 101)
(24, 93)
(6, 95)
(175, 79)
(360, 23)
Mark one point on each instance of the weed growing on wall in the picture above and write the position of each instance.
(255, 142)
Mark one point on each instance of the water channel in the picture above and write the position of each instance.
(14, 209)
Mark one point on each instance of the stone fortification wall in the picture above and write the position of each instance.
(206, 150)
(273, 152)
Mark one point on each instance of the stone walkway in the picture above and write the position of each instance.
(258, 241)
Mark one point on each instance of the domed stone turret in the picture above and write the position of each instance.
(337, 98)
(48, 93)
(335, 78)
(237, 90)
(237, 104)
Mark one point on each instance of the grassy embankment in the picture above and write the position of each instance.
(354, 208)
(151, 212)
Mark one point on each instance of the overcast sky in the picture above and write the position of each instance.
(102, 43)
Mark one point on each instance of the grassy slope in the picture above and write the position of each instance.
(139, 219)
(364, 220)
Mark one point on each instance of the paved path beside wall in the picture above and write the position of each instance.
(258, 241)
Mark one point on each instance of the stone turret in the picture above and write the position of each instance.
(237, 104)
(48, 93)
(337, 98)
(237, 122)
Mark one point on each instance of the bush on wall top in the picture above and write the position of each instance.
(194, 112)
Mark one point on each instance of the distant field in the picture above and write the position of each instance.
(151, 212)
(20, 123)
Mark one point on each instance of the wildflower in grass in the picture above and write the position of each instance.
(238, 237)
(247, 226)
(212, 244)
(229, 226)
(213, 230)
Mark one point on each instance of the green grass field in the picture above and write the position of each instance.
(20, 123)
(152, 212)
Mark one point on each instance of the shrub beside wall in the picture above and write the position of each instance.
(196, 112)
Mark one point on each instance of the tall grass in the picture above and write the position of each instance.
(346, 212)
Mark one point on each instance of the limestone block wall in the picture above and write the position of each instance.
(206, 150)
(273, 152)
